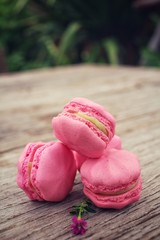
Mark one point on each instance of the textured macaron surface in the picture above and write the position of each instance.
(114, 171)
(85, 127)
(116, 201)
(24, 168)
(94, 110)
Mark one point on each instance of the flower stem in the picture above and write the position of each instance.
(80, 212)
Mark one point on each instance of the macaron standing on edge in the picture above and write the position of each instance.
(113, 181)
(46, 171)
(85, 127)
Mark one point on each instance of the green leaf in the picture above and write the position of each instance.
(50, 47)
(20, 4)
(112, 49)
(150, 57)
(67, 43)
(90, 209)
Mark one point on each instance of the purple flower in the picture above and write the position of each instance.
(78, 226)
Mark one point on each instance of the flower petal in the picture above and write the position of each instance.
(74, 219)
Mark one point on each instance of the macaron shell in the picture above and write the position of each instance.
(77, 136)
(23, 175)
(84, 102)
(20, 167)
(115, 143)
(94, 110)
(116, 202)
(80, 159)
(53, 171)
(85, 127)
(114, 171)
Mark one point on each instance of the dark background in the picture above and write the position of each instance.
(42, 33)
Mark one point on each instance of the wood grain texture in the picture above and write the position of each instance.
(29, 101)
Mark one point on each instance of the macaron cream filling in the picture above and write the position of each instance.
(93, 120)
(29, 172)
(119, 192)
(127, 189)
(30, 164)
(94, 114)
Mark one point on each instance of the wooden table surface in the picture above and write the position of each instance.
(29, 100)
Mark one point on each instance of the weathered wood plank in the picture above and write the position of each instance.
(28, 102)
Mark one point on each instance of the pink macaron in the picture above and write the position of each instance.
(115, 143)
(114, 180)
(46, 171)
(85, 127)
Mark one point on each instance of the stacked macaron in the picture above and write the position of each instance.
(110, 175)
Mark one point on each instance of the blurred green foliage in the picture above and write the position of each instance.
(40, 33)
(150, 58)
